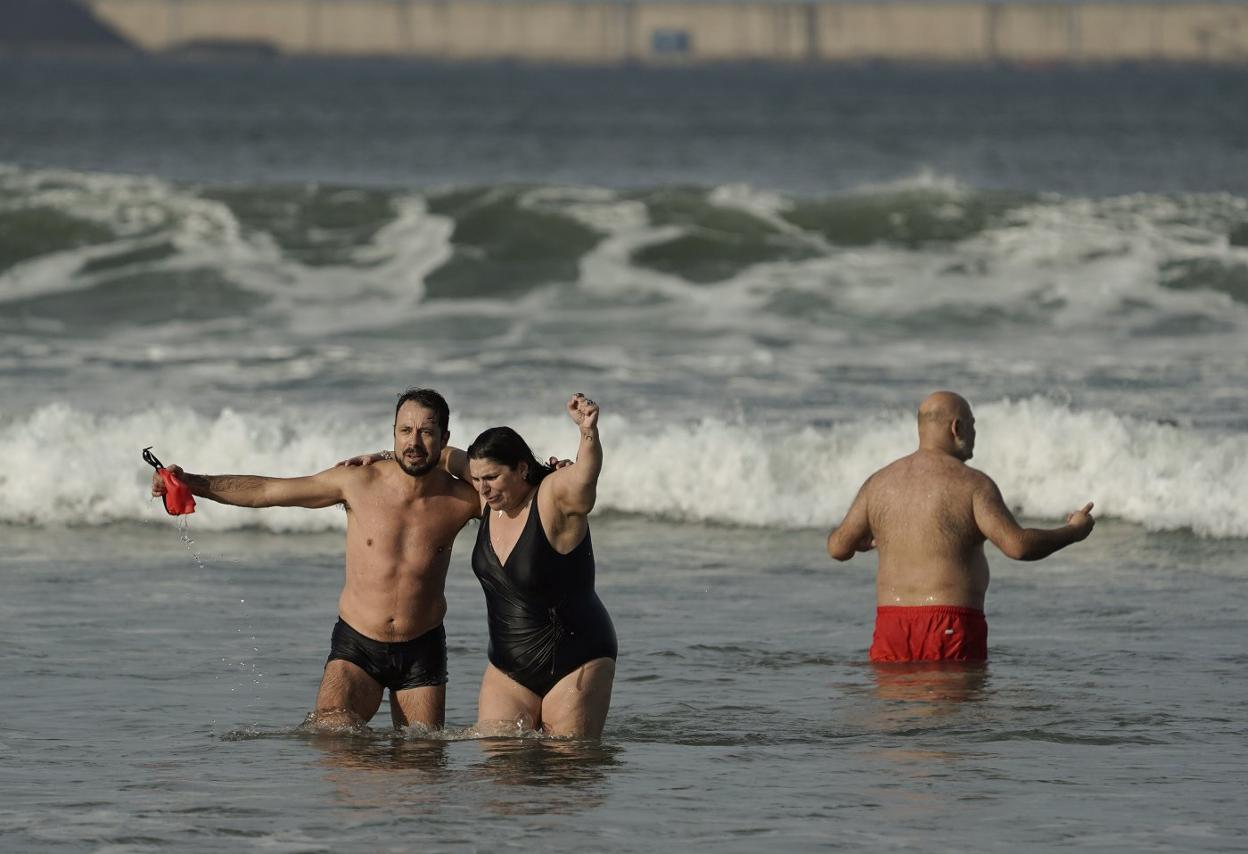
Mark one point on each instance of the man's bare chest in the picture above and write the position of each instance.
(409, 525)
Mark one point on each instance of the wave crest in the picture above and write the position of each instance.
(1047, 457)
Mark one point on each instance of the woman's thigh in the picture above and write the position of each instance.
(578, 703)
(505, 707)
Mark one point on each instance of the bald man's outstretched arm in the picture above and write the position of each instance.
(998, 524)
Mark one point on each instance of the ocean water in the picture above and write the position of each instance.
(758, 272)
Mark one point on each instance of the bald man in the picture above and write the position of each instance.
(929, 514)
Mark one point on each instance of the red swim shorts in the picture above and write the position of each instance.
(929, 633)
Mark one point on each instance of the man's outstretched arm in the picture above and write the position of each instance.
(853, 535)
(998, 524)
(245, 490)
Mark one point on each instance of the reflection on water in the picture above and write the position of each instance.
(384, 770)
(368, 750)
(547, 775)
(938, 687)
(916, 704)
(416, 769)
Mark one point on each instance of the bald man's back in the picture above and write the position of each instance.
(921, 510)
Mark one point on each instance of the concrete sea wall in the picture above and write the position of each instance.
(612, 31)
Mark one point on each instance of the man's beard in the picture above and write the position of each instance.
(417, 471)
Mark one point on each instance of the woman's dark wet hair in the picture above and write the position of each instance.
(504, 446)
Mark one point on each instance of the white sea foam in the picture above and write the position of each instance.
(924, 179)
(1047, 457)
(381, 281)
(64, 466)
(1071, 264)
(1094, 269)
(138, 211)
(373, 282)
(597, 207)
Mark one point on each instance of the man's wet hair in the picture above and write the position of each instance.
(428, 399)
(505, 446)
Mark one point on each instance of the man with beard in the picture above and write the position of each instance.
(929, 514)
(402, 518)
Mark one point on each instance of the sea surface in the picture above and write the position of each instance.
(758, 272)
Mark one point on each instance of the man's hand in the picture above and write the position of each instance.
(1081, 520)
(158, 483)
(365, 459)
(583, 411)
(866, 544)
(555, 463)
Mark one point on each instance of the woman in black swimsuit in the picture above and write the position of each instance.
(552, 645)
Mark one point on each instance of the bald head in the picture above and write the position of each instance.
(942, 405)
(946, 424)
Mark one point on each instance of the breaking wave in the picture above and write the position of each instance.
(1047, 457)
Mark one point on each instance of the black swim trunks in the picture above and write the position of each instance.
(545, 618)
(416, 663)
